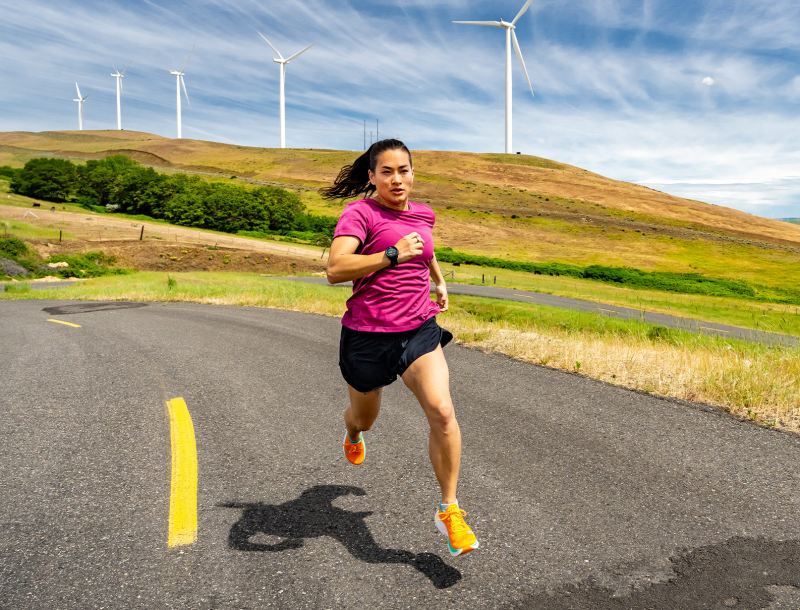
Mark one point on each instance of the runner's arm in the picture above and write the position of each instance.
(345, 265)
(441, 286)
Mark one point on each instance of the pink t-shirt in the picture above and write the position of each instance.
(393, 299)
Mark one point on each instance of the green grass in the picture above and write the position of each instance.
(22, 230)
(256, 289)
(771, 317)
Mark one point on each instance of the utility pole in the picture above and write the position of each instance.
(365, 134)
(377, 131)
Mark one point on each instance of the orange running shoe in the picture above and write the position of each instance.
(355, 452)
(460, 537)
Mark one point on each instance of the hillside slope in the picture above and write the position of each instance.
(513, 206)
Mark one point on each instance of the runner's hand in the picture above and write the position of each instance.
(441, 296)
(410, 246)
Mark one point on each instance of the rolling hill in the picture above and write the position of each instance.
(510, 206)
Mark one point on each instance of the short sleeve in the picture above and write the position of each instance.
(353, 221)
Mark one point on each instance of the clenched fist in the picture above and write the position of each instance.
(409, 246)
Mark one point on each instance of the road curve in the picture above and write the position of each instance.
(584, 495)
(625, 313)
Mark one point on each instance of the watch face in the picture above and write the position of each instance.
(391, 252)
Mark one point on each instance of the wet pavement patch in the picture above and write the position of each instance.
(65, 310)
(735, 574)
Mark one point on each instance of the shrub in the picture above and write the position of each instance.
(45, 178)
(89, 264)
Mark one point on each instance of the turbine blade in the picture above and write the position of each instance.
(495, 24)
(291, 57)
(186, 93)
(270, 44)
(77, 89)
(521, 12)
(521, 60)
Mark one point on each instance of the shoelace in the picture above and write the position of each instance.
(456, 521)
(353, 447)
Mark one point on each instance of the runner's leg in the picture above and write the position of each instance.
(428, 378)
(362, 412)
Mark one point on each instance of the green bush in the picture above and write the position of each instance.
(11, 247)
(45, 178)
(687, 283)
(16, 250)
(90, 264)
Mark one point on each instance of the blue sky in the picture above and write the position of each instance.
(699, 99)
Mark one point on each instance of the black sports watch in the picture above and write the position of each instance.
(391, 254)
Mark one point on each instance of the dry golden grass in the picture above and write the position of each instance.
(506, 175)
(761, 385)
(564, 213)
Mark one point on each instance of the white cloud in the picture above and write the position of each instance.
(640, 111)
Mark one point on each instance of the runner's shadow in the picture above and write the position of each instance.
(313, 515)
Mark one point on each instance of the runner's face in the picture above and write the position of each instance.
(393, 177)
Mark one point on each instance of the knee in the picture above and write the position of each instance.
(442, 416)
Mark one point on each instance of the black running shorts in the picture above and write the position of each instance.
(370, 360)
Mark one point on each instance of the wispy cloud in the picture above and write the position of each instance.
(619, 83)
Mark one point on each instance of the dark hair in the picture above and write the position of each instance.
(353, 179)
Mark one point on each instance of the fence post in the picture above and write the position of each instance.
(483, 278)
(141, 234)
(59, 236)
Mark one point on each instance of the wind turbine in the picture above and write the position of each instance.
(80, 99)
(119, 76)
(281, 61)
(179, 82)
(511, 36)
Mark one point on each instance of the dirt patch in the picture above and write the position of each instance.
(156, 256)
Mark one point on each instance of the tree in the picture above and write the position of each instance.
(97, 178)
(283, 207)
(45, 178)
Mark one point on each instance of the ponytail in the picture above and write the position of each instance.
(354, 179)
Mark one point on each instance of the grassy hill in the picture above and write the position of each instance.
(508, 206)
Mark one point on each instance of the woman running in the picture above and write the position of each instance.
(384, 244)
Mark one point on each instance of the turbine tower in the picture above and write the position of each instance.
(119, 76)
(80, 99)
(511, 36)
(281, 61)
(178, 84)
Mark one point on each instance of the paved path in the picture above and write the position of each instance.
(626, 313)
(579, 491)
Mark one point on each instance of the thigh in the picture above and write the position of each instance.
(365, 403)
(428, 377)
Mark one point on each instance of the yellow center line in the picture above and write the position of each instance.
(54, 321)
(183, 493)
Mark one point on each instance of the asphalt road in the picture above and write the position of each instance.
(583, 495)
(625, 313)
